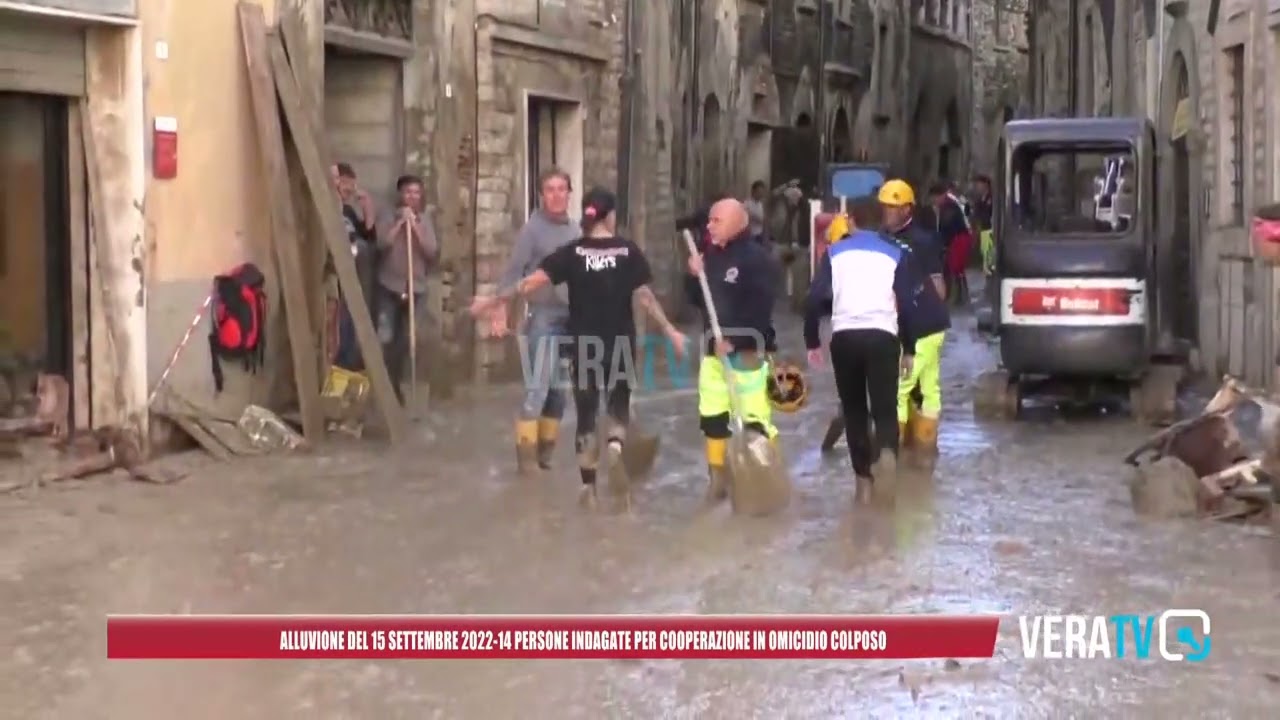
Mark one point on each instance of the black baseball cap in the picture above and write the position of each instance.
(597, 204)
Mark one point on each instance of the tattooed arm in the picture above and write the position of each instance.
(644, 297)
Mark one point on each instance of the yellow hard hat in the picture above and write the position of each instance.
(896, 192)
(788, 391)
(838, 228)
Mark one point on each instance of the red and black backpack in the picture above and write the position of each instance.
(239, 313)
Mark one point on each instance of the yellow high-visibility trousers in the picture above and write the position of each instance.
(753, 392)
(925, 372)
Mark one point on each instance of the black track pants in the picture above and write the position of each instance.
(865, 363)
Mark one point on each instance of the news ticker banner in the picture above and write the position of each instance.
(562, 637)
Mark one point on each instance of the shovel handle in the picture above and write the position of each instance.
(413, 319)
(734, 401)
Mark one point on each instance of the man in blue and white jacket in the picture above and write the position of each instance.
(867, 283)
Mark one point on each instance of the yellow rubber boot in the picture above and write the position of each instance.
(718, 487)
(526, 446)
(907, 430)
(548, 431)
(925, 435)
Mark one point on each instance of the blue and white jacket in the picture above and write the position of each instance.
(864, 282)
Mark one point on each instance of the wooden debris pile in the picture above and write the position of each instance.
(1200, 467)
(50, 453)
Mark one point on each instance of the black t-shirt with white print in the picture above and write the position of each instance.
(601, 274)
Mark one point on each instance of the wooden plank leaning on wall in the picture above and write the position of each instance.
(80, 284)
(304, 138)
(285, 239)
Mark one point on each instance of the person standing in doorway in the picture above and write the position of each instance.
(606, 277)
(867, 284)
(403, 230)
(546, 322)
(360, 222)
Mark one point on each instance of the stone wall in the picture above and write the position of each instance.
(572, 56)
(941, 103)
(1000, 84)
(1233, 299)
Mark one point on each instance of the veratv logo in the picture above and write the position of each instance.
(1057, 637)
(610, 361)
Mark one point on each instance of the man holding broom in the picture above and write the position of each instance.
(605, 274)
(407, 242)
(740, 278)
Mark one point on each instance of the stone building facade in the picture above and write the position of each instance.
(732, 91)
(1000, 79)
(548, 92)
(1204, 73)
(941, 69)
(717, 94)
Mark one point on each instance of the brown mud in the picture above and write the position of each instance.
(1025, 517)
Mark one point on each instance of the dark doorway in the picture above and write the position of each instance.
(1186, 310)
(712, 157)
(919, 159)
(840, 138)
(950, 145)
(35, 245)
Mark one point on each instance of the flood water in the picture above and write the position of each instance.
(1016, 518)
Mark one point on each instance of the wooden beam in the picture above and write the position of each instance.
(284, 232)
(307, 62)
(79, 291)
(99, 260)
(325, 202)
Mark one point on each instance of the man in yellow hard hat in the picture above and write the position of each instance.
(930, 317)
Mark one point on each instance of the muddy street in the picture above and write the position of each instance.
(1028, 517)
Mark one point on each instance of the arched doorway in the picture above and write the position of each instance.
(679, 146)
(950, 145)
(840, 137)
(1185, 306)
(919, 157)
(804, 121)
(712, 158)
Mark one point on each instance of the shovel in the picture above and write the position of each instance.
(758, 483)
(639, 453)
(835, 431)
(413, 328)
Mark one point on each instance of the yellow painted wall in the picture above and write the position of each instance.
(214, 213)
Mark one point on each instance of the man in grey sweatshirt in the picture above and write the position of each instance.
(548, 228)
(404, 230)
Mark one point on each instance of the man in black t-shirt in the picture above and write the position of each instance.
(604, 274)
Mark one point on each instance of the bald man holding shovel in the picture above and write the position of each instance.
(732, 282)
